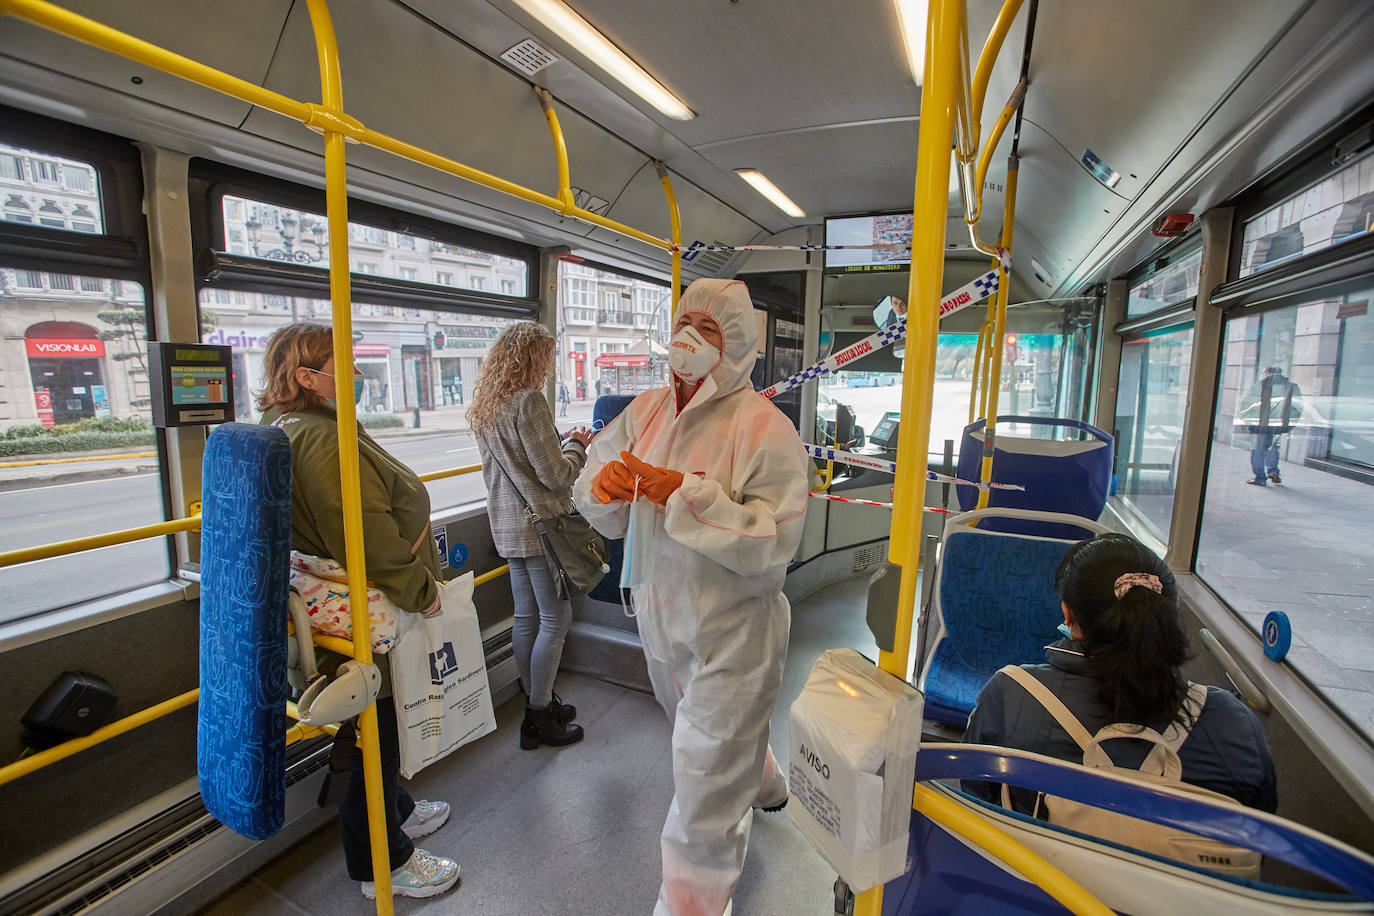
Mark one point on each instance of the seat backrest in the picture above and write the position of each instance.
(245, 548)
(1068, 476)
(994, 604)
(608, 407)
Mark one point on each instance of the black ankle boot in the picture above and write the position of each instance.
(565, 712)
(541, 726)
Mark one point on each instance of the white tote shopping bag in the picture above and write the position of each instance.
(439, 680)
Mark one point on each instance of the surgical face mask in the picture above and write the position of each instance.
(690, 357)
(1064, 629)
(357, 388)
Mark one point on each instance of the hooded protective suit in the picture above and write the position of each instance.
(706, 573)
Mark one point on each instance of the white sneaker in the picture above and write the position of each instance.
(427, 817)
(425, 875)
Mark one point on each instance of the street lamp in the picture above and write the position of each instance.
(254, 230)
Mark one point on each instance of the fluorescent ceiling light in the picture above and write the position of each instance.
(577, 32)
(912, 16)
(770, 191)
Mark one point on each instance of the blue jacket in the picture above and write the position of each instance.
(1225, 750)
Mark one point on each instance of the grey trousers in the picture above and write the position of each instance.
(541, 625)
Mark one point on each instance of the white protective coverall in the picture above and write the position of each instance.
(706, 574)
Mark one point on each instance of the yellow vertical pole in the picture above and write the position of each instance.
(999, 333)
(675, 218)
(560, 146)
(336, 200)
(946, 38)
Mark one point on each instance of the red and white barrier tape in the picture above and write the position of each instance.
(890, 467)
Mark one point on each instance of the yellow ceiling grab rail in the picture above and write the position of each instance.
(321, 118)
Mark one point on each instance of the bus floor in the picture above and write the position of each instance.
(576, 830)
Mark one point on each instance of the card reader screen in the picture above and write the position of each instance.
(199, 384)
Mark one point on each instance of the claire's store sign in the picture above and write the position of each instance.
(55, 348)
(236, 338)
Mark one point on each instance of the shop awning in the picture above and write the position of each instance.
(622, 360)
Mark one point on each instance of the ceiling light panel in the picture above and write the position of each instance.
(578, 33)
(911, 14)
(769, 190)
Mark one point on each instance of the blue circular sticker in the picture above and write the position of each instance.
(458, 555)
(1277, 635)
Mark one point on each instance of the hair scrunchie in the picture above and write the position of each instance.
(1130, 580)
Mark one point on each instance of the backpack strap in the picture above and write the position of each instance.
(1053, 705)
(1163, 759)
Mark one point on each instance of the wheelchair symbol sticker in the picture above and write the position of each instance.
(1277, 635)
(458, 555)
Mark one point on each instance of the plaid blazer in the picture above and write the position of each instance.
(525, 442)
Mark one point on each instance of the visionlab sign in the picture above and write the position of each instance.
(57, 349)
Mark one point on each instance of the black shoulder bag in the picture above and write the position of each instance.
(573, 550)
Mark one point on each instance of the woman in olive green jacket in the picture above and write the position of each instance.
(299, 397)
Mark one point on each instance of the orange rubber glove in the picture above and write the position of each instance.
(656, 484)
(614, 481)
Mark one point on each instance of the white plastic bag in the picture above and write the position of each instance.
(855, 730)
(439, 680)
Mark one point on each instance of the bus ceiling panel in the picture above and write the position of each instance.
(750, 68)
(1300, 74)
(1099, 82)
(403, 77)
(237, 38)
(854, 168)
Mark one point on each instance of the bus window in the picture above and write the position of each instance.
(1289, 495)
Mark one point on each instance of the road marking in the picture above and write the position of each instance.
(456, 451)
(79, 483)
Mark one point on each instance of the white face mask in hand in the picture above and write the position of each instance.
(690, 357)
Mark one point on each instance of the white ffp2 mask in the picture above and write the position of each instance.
(690, 357)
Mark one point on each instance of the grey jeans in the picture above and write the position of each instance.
(541, 624)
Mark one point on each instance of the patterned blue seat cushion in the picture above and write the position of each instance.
(245, 546)
(998, 606)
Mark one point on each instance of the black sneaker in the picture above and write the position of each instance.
(1275, 477)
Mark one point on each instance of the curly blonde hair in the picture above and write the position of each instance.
(302, 344)
(521, 357)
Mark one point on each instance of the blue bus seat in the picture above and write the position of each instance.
(245, 548)
(1069, 476)
(993, 604)
(949, 876)
(606, 409)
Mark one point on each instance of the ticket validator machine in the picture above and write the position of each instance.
(192, 383)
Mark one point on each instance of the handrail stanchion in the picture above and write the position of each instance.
(560, 147)
(999, 333)
(336, 212)
(945, 33)
(675, 220)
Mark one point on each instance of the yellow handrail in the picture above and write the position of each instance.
(114, 729)
(1007, 850)
(450, 472)
(336, 213)
(675, 229)
(488, 576)
(560, 147)
(999, 335)
(76, 545)
(975, 384)
(324, 118)
(160, 529)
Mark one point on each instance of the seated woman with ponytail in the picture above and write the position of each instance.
(1121, 664)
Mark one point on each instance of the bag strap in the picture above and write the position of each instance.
(1053, 705)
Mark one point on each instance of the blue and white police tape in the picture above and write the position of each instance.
(890, 467)
(981, 287)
